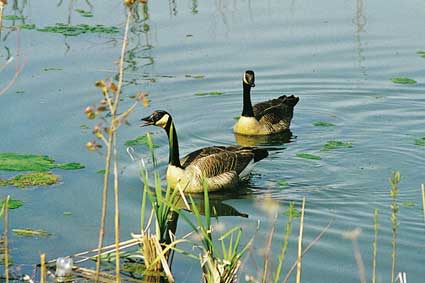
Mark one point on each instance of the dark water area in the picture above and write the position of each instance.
(337, 56)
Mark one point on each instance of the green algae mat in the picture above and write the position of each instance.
(31, 179)
(30, 162)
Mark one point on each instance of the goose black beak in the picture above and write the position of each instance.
(148, 121)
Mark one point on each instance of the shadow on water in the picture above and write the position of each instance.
(270, 142)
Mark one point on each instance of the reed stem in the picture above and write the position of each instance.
(43, 268)
(264, 278)
(300, 243)
(6, 240)
(394, 180)
(375, 244)
(423, 199)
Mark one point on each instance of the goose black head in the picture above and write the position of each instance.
(158, 118)
(249, 78)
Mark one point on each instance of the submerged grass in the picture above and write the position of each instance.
(310, 156)
(209, 93)
(334, 144)
(323, 124)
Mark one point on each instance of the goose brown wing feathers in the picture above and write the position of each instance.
(275, 110)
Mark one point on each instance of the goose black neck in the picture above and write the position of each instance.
(247, 105)
(174, 158)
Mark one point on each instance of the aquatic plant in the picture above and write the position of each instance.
(403, 80)
(209, 93)
(27, 232)
(420, 141)
(140, 140)
(308, 156)
(334, 144)
(10, 161)
(11, 203)
(71, 30)
(323, 124)
(394, 180)
(31, 179)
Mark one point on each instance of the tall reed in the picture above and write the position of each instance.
(300, 242)
(375, 244)
(423, 199)
(5, 213)
(394, 180)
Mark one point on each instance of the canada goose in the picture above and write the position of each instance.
(222, 167)
(265, 118)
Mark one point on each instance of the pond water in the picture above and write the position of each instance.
(337, 56)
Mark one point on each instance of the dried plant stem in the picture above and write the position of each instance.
(264, 278)
(309, 246)
(104, 205)
(423, 199)
(1, 14)
(6, 241)
(288, 229)
(300, 243)
(43, 268)
(110, 145)
(117, 215)
(375, 244)
(394, 180)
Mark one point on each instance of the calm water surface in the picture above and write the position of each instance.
(337, 56)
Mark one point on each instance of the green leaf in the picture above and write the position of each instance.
(323, 124)
(308, 156)
(101, 171)
(31, 233)
(282, 183)
(195, 76)
(408, 204)
(402, 80)
(138, 141)
(10, 161)
(421, 53)
(52, 69)
(67, 213)
(213, 93)
(13, 17)
(420, 141)
(84, 13)
(27, 26)
(330, 145)
(293, 212)
(84, 127)
(13, 203)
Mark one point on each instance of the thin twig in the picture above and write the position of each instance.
(117, 213)
(267, 251)
(375, 244)
(6, 241)
(300, 243)
(309, 246)
(423, 199)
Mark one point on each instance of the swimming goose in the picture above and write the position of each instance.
(222, 167)
(265, 118)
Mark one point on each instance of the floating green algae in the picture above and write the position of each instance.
(214, 93)
(138, 141)
(421, 53)
(408, 204)
(70, 30)
(12, 203)
(323, 124)
(101, 171)
(84, 13)
(330, 145)
(198, 77)
(308, 156)
(420, 141)
(27, 26)
(13, 17)
(31, 232)
(67, 213)
(282, 183)
(52, 69)
(31, 179)
(10, 161)
(403, 80)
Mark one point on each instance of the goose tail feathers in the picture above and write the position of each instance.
(259, 154)
(291, 101)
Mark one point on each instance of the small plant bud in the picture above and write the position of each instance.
(107, 130)
(129, 2)
(113, 87)
(97, 131)
(92, 146)
(90, 112)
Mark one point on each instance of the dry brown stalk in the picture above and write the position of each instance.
(110, 147)
(43, 268)
(2, 5)
(423, 199)
(6, 241)
(300, 243)
(264, 277)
